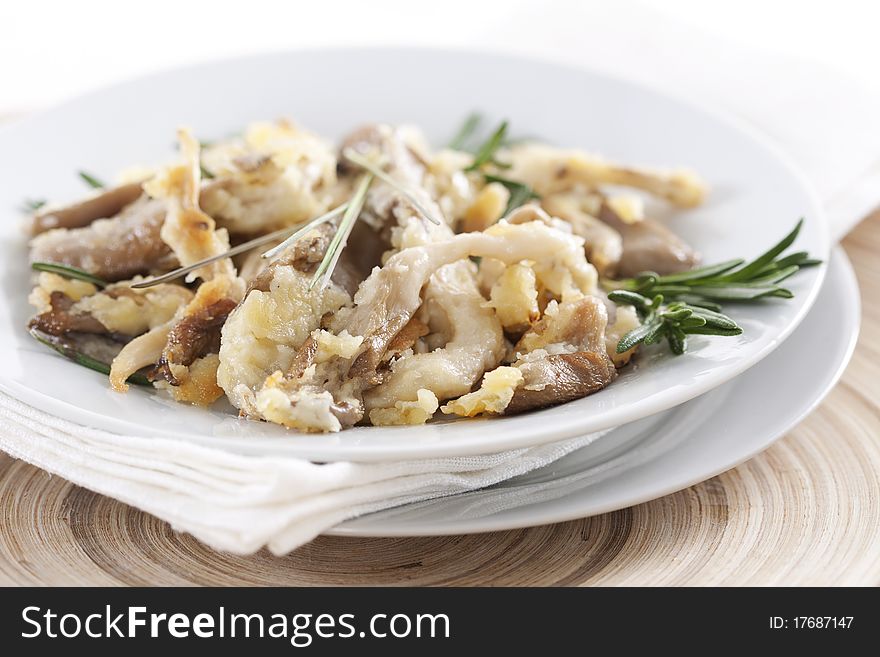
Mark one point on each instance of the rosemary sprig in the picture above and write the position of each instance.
(377, 171)
(486, 153)
(694, 295)
(78, 357)
(673, 322)
(207, 175)
(733, 280)
(91, 180)
(340, 239)
(467, 130)
(520, 193)
(68, 272)
(31, 205)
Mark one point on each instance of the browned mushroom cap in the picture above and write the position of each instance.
(61, 320)
(112, 249)
(561, 378)
(107, 204)
(649, 246)
(192, 337)
(305, 256)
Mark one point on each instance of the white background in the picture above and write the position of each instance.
(805, 73)
(52, 50)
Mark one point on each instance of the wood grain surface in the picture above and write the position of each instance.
(806, 511)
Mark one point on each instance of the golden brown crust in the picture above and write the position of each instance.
(196, 335)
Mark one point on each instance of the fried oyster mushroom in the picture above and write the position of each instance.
(274, 175)
(321, 394)
(462, 338)
(493, 309)
(185, 348)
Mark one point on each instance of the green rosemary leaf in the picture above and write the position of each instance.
(691, 322)
(632, 298)
(82, 359)
(677, 341)
(742, 292)
(677, 315)
(68, 272)
(657, 332)
(778, 275)
(793, 259)
(31, 205)
(692, 296)
(711, 330)
(758, 263)
(637, 335)
(699, 302)
(695, 274)
(465, 132)
(670, 290)
(205, 173)
(717, 320)
(486, 152)
(520, 193)
(91, 181)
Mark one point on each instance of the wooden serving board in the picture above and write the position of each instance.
(806, 511)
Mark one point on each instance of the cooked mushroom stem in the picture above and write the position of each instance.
(648, 245)
(106, 204)
(550, 170)
(112, 249)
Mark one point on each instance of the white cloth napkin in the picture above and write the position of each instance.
(242, 503)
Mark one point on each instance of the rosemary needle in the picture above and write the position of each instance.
(68, 272)
(364, 163)
(467, 130)
(80, 358)
(324, 218)
(340, 239)
(242, 248)
(520, 193)
(487, 151)
(91, 180)
(31, 205)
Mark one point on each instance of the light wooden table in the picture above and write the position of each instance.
(806, 511)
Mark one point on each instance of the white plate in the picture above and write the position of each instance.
(756, 198)
(665, 453)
